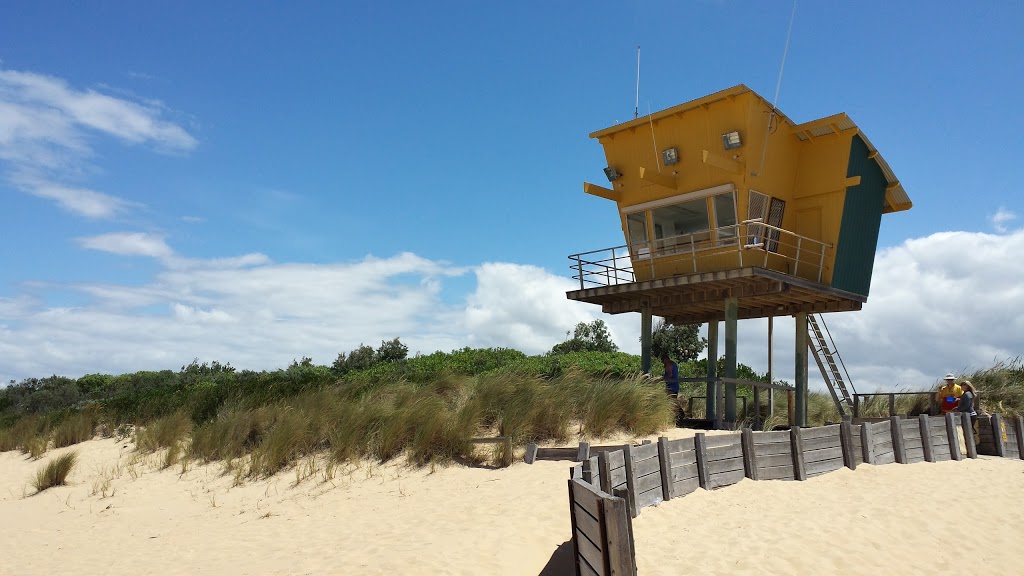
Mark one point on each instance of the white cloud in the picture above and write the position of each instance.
(45, 131)
(945, 302)
(1001, 218)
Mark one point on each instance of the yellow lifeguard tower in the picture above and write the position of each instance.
(730, 210)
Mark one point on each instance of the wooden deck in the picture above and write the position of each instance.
(698, 298)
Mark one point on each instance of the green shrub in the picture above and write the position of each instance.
(164, 432)
(55, 472)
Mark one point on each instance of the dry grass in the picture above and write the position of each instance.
(55, 472)
(76, 428)
(165, 432)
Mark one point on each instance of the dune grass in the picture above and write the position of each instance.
(74, 429)
(55, 472)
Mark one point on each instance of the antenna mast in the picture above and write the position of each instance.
(636, 107)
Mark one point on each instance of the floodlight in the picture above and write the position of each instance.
(670, 156)
(612, 174)
(731, 140)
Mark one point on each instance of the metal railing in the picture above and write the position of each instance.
(860, 398)
(752, 242)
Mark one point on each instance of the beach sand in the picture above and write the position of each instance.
(941, 518)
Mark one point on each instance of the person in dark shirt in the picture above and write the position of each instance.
(968, 400)
(671, 375)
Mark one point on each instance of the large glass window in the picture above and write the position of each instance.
(681, 223)
(636, 228)
(725, 217)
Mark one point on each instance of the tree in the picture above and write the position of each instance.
(358, 359)
(593, 337)
(679, 341)
(392, 351)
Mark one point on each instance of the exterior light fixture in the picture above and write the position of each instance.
(612, 174)
(731, 140)
(670, 156)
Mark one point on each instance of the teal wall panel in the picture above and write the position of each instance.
(862, 216)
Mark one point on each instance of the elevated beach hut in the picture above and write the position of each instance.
(731, 210)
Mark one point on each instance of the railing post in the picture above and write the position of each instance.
(892, 405)
(796, 266)
(579, 270)
(821, 262)
(856, 405)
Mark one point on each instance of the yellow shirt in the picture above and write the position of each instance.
(945, 392)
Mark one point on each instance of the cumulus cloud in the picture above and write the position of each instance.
(45, 131)
(1001, 218)
(945, 302)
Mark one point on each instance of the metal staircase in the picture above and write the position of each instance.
(825, 354)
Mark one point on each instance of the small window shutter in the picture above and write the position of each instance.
(775, 219)
(757, 207)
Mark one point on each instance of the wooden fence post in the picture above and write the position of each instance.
(749, 458)
(846, 443)
(665, 467)
(627, 452)
(604, 471)
(967, 425)
(1019, 426)
(584, 452)
(797, 444)
(618, 537)
(954, 442)
(926, 437)
(700, 449)
(898, 451)
(997, 435)
(867, 443)
(531, 453)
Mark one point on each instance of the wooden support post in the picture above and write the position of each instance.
(711, 395)
(531, 453)
(665, 466)
(797, 444)
(645, 442)
(771, 373)
(590, 472)
(951, 437)
(731, 323)
(576, 472)
(618, 537)
(757, 407)
(856, 405)
(926, 437)
(967, 425)
(1018, 423)
(846, 444)
(584, 452)
(720, 406)
(892, 405)
(645, 337)
(572, 521)
(867, 443)
(791, 407)
(749, 458)
(627, 451)
(700, 448)
(898, 451)
(997, 435)
(801, 369)
(604, 470)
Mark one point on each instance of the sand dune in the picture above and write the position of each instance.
(388, 519)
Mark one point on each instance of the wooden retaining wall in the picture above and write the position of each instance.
(602, 532)
(722, 457)
(683, 473)
(643, 476)
(1000, 436)
(821, 449)
(772, 456)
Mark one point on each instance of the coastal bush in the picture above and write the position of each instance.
(55, 472)
(78, 427)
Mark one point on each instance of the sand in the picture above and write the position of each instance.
(121, 514)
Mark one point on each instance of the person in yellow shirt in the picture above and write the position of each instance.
(949, 394)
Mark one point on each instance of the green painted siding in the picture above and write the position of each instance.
(862, 215)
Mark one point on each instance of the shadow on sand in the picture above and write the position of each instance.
(562, 561)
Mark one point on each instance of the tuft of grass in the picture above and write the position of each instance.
(37, 447)
(55, 472)
(76, 428)
(165, 432)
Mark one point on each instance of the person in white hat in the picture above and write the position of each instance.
(949, 394)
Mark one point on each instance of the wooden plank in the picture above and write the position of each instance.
(822, 442)
(684, 472)
(897, 440)
(799, 472)
(627, 451)
(618, 478)
(725, 452)
(941, 453)
(823, 466)
(819, 455)
(680, 445)
(590, 553)
(557, 454)
(647, 482)
(725, 478)
(770, 437)
(644, 452)
(749, 457)
(645, 467)
(775, 460)
(1018, 428)
(910, 442)
(590, 472)
(619, 538)
(997, 434)
(531, 453)
(720, 440)
(576, 472)
(649, 497)
(573, 508)
(584, 451)
(683, 487)
(867, 444)
(926, 437)
(588, 498)
(774, 448)
(584, 569)
(588, 525)
(700, 448)
(604, 472)
(968, 430)
(664, 468)
(846, 438)
(776, 472)
(915, 455)
(883, 458)
(952, 436)
(820, 432)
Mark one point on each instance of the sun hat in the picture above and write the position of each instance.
(950, 377)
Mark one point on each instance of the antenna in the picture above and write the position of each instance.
(778, 85)
(636, 107)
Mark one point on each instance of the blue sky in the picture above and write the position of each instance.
(257, 184)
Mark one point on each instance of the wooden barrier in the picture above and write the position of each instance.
(683, 475)
(772, 456)
(611, 468)
(643, 477)
(906, 440)
(722, 459)
(602, 532)
(821, 450)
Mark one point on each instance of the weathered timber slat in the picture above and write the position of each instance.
(897, 440)
(531, 453)
(619, 538)
(799, 472)
(684, 472)
(590, 472)
(725, 452)
(700, 447)
(557, 454)
(926, 438)
(616, 458)
(940, 453)
(867, 442)
(952, 423)
(587, 498)
(776, 472)
(589, 552)
(825, 454)
(665, 468)
(775, 460)
(727, 465)
(822, 442)
(887, 457)
(588, 525)
(749, 457)
(649, 497)
(644, 451)
(627, 451)
(720, 440)
(823, 466)
(847, 445)
(774, 448)
(585, 569)
(820, 432)
(680, 445)
(912, 442)
(771, 437)
(645, 483)
(725, 478)
(683, 487)
(645, 467)
(915, 455)
(968, 431)
(576, 472)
